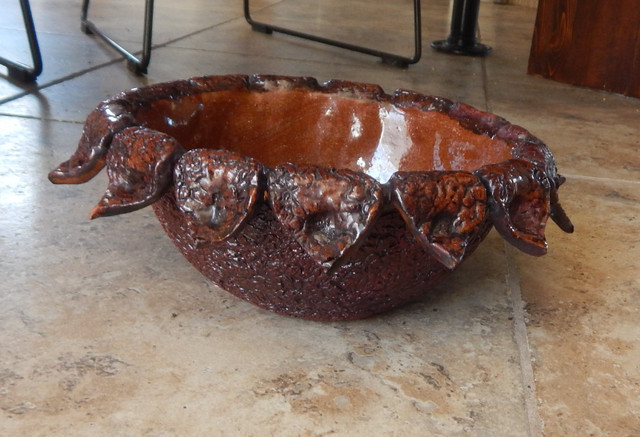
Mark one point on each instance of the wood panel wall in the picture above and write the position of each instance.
(592, 43)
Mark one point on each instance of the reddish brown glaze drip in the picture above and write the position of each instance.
(326, 210)
(286, 196)
(102, 124)
(219, 189)
(445, 211)
(557, 213)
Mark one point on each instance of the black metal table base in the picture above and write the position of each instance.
(462, 39)
(136, 64)
(17, 70)
(387, 58)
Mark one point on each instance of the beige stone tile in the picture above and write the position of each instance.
(123, 20)
(73, 99)
(459, 79)
(357, 22)
(62, 56)
(456, 78)
(229, 46)
(582, 302)
(591, 133)
(66, 50)
(507, 29)
(106, 330)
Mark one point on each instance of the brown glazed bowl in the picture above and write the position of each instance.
(328, 201)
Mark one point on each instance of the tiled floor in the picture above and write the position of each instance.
(106, 330)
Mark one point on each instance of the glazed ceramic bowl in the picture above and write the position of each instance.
(325, 201)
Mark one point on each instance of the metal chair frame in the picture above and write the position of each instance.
(462, 39)
(388, 58)
(18, 70)
(136, 64)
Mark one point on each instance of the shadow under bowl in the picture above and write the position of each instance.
(330, 201)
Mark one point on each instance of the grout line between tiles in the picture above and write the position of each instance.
(59, 80)
(520, 334)
(485, 85)
(485, 76)
(33, 117)
(534, 421)
(599, 179)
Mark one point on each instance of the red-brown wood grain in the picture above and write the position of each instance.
(592, 43)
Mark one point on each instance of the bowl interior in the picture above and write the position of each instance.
(323, 129)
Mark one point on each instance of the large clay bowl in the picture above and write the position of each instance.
(325, 201)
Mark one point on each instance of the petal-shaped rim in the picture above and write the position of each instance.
(219, 188)
(328, 211)
(444, 210)
(139, 165)
(521, 192)
(519, 201)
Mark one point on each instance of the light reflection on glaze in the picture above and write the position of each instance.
(183, 121)
(356, 126)
(393, 145)
(437, 161)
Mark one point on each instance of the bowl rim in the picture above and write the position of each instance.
(517, 195)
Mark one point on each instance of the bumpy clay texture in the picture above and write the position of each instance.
(329, 201)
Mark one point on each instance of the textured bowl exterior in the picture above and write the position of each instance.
(305, 240)
(266, 266)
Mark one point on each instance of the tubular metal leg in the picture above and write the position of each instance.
(462, 39)
(388, 58)
(20, 71)
(137, 65)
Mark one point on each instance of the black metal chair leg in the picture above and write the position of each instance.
(388, 58)
(18, 70)
(135, 64)
(462, 39)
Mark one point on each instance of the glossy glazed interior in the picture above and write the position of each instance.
(322, 129)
